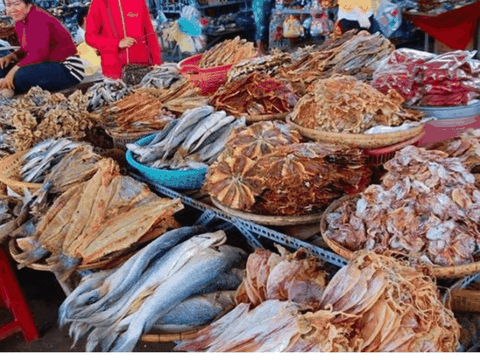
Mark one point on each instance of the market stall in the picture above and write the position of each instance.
(232, 202)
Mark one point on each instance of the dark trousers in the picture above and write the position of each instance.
(349, 25)
(51, 76)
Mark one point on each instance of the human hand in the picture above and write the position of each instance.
(2, 84)
(126, 42)
(8, 80)
(5, 61)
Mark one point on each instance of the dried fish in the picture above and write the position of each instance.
(161, 77)
(227, 52)
(106, 93)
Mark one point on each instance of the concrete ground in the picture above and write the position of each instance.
(44, 296)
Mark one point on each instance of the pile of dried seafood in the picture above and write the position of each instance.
(178, 282)
(182, 95)
(161, 77)
(466, 147)
(255, 94)
(359, 56)
(344, 104)
(39, 115)
(227, 52)
(264, 169)
(427, 207)
(268, 64)
(193, 141)
(136, 113)
(374, 304)
(97, 219)
(106, 93)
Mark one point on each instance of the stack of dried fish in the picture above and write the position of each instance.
(39, 115)
(43, 157)
(268, 64)
(106, 93)
(194, 140)
(169, 284)
(161, 77)
(227, 52)
(374, 304)
(265, 170)
(359, 56)
(427, 207)
(138, 112)
(255, 94)
(345, 105)
(466, 147)
(98, 219)
(181, 96)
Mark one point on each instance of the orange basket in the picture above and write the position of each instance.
(380, 156)
(209, 79)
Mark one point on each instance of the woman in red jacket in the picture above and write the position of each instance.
(122, 31)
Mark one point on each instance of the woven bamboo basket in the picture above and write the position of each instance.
(267, 117)
(449, 272)
(162, 338)
(10, 167)
(269, 220)
(363, 141)
(120, 141)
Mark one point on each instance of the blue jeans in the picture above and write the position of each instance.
(349, 25)
(51, 76)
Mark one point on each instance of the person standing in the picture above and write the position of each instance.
(47, 56)
(262, 9)
(122, 31)
(88, 54)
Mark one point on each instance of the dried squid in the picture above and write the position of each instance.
(345, 105)
(374, 304)
(427, 207)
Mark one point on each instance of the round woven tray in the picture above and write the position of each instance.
(449, 272)
(15, 252)
(120, 141)
(267, 117)
(161, 338)
(363, 141)
(269, 220)
(10, 167)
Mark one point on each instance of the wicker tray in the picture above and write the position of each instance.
(269, 220)
(267, 117)
(10, 167)
(169, 337)
(363, 141)
(449, 272)
(120, 141)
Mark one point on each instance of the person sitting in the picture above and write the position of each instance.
(88, 54)
(122, 34)
(356, 14)
(47, 56)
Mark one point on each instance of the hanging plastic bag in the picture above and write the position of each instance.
(320, 25)
(189, 21)
(389, 18)
(292, 28)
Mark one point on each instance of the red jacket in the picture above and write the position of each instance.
(105, 28)
(43, 38)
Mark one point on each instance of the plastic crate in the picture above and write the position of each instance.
(175, 179)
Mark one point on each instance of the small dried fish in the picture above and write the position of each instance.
(106, 93)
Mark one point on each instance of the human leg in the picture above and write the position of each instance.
(51, 76)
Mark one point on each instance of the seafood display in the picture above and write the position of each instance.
(427, 208)
(169, 284)
(255, 94)
(161, 77)
(138, 112)
(179, 97)
(40, 115)
(97, 219)
(265, 170)
(373, 304)
(268, 64)
(132, 74)
(427, 79)
(194, 140)
(43, 157)
(227, 52)
(342, 104)
(358, 56)
(106, 93)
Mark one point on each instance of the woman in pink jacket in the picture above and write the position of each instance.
(122, 31)
(47, 57)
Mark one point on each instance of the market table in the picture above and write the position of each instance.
(455, 28)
